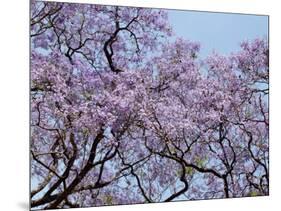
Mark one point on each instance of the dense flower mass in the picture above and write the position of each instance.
(122, 114)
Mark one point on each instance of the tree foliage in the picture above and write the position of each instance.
(121, 114)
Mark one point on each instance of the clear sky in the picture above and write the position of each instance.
(220, 31)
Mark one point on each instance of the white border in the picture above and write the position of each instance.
(14, 103)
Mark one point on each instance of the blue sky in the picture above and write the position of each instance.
(218, 31)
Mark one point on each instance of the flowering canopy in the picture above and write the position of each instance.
(121, 114)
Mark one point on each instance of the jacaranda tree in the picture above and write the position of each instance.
(121, 113)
